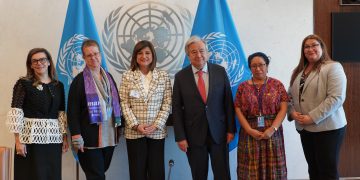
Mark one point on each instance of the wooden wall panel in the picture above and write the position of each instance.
(350, 152)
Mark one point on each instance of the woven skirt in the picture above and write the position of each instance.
(261, 159)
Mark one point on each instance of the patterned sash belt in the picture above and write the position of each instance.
(268, 116)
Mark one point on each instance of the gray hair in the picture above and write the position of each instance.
(194, 39)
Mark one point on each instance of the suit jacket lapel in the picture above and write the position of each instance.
(211, 81)
(138, 84)
(309, 79)
(153, 84)
(192, 84)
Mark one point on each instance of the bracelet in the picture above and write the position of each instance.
(275, 128)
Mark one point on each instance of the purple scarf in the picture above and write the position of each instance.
(93, 102)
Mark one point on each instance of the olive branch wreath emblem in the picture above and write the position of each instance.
(64, 52)
(108, 38)
(218, 35)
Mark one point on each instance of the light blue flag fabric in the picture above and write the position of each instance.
(214, 24)
(79, 26)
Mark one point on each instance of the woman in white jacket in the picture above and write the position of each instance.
(145, 94)
(317, 91)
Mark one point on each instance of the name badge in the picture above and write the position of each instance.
(261, 121)
(109, 111)
(135, 94)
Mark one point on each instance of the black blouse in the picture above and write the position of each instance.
(43, 101)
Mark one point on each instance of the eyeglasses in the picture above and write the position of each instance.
(313, 46)
(41, 60)
(255, 66)
(96, 54)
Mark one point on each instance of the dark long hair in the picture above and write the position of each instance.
(138, 47)
(30, 74)
(325, 57)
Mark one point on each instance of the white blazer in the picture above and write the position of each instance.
(141, 108)
(322, 98)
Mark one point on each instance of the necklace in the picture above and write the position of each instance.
(259, 83)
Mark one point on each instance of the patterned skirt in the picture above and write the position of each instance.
(261, 159)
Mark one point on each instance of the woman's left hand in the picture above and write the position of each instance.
(305, 120)
(268, 133)
(65, 144)
(151, 128)
(146, 129)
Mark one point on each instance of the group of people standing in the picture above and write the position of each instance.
(203, 110)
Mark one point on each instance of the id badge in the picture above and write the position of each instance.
(135, 94)
(261, 121)
(109, 112)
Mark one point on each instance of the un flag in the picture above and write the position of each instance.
(214, 24)
(79, 26)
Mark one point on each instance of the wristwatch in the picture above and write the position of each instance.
(275, 128)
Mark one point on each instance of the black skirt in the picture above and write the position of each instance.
(42, 162)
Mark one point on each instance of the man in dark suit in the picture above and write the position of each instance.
(203, 113)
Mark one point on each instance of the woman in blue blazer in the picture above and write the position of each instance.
(317, 91)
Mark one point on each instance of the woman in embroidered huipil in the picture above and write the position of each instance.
(93, 114)
(145, 94)
(260, 106)
(38, 120)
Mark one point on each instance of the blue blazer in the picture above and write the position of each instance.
(192, 117)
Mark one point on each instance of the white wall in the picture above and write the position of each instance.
(275, 27)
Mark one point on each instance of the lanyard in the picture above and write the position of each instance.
(260, 93)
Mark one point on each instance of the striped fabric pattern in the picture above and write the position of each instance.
(261, 159)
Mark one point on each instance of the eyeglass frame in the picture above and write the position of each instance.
(41, 60)
(96, 54)
(255, 66)
(313, 46)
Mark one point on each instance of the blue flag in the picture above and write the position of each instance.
(214, 24)
(79, 26)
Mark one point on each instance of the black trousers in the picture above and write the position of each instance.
(198, 157)
(95, 162)
(146, 158)
(42, 162)
(322, 151)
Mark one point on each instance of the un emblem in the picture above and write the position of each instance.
(71, 62)
(225, 54)
(165, 26)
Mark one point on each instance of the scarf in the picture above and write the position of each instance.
(92, 98)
